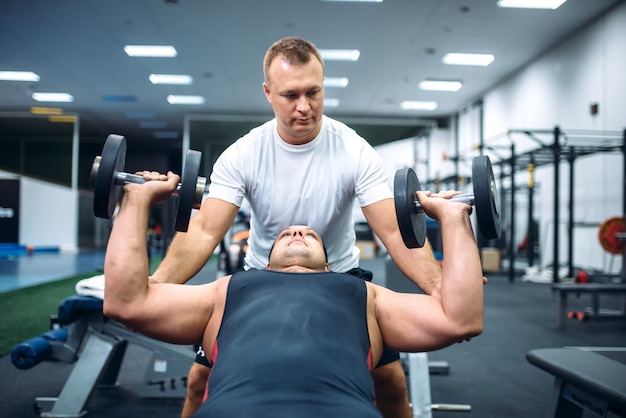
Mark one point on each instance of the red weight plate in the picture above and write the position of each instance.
(608, 235)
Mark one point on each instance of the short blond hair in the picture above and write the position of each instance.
(293, 50)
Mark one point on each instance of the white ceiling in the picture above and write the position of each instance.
(76, 46)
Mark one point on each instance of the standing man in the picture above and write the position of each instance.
(305, 168)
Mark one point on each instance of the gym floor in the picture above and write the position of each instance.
(490, 373)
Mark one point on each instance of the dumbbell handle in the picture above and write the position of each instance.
(124, 178)
(463, 198)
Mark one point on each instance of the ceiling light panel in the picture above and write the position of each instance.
(331, 102)
(185, 100)
(531, 4)
(53, 97)
(468, 59)
(150, 51)
(341, 82)
(181, 79)
(418, 105)
(340, 54)
(440, 85)
(18, 76)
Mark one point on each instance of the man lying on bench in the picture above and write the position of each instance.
(296, 339)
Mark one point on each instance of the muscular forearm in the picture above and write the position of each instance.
(382, 218)
(126, 261)
(428, 275)
(189, 251)
(462, 282)
(186, 255)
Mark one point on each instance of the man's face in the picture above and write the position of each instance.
(298, 247)
(296, 93)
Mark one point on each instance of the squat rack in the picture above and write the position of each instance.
(565, 146)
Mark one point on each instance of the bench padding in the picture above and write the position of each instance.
(588, 370)
(73, 307)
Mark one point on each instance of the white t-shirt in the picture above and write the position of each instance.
(314, 184)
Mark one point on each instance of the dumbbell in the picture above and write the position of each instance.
(108, 178)
(411, 216)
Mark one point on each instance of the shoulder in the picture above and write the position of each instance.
(341, 136)
(376, 291)
(219, 285)
(336, 128)
(255, 137)
(249, 146)
(260, 131)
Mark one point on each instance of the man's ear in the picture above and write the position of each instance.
(266, 90)
(326, 267)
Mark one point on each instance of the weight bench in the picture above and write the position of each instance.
(586, 383)
(562, 291)
(97, 345)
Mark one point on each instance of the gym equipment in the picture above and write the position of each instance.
(562, 290)
(411, 216)
(611, 235)
(107, 180)
(32, 352)
(97, 347)
(588, 381)
(418, 381)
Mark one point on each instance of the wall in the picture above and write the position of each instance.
(48, 214)
(556, 89)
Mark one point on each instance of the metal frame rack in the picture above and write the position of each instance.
(566, 146)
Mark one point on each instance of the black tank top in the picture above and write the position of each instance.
(292, 345)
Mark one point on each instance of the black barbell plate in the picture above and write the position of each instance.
(486, 198)
(187, 193)
(107, 192)
(411, 223)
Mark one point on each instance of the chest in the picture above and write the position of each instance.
(290, 184)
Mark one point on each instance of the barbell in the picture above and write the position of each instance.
(108, 178)
(411, 216)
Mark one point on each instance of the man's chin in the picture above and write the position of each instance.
(302, 126)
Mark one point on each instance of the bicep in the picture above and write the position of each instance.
(174, 313)
(381, 216)
(411, 322)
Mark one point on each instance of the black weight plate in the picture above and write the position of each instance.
(411, 223)
(486, 197)
(187, 193)
(107, 192)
